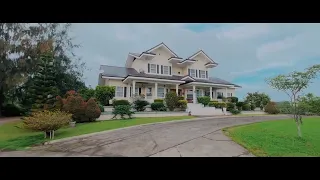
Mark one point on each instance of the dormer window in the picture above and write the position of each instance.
(192, 72)
(202, 74)
(166, 70)
(153, 68)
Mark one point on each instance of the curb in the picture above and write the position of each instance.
(141, 125)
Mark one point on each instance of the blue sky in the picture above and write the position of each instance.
(246, 53)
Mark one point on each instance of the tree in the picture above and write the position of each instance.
(171, 100)
(257, 99)
(104, 94)
(43, 91)
(16, 46)
(293, 84)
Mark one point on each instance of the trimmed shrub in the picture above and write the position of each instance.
(246, 107)
(223, 105)
(203, 100)
(271, 108)
(212, 104)
(46, 121)
(101, 107)
(252, 107)
(156, 106)
(235, 111)
(182, 104)
(158, 101)
(79, 109)
(234, 99)
(171, 100)
(140, 104)
(122, 110)
(92, 110)
(239, 105)
(180, 98)
(230, 106)
(120, 102)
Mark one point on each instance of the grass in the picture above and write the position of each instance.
(12, 137)
(278, 138)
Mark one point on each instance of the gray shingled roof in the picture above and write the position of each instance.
(114, 71)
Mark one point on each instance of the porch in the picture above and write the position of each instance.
(158, 88)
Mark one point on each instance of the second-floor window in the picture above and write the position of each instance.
(192, 73)
(153, 68)
(166, 70)
(202, 74)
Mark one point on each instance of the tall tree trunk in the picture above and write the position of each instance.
(299, 129)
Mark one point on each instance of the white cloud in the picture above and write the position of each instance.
(244, 31)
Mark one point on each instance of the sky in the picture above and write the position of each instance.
(246, 53)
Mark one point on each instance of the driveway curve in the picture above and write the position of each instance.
(173, 139)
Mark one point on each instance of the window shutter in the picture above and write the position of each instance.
(161, 69)
(139, 91)
(199, 74)
(207, 74)
(148, 68)
(196, 73)
(189, 72)
(170, 70)
(130, 93)
(157, 69)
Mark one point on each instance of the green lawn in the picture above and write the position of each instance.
(12, 137)
(278, 138)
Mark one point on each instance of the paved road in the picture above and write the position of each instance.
(176, 139)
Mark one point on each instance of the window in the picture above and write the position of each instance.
(202, 74)
(119, 91)
(189, 94)
(229, 94)
(160, 92)
(219, 95)
(166, 70)
(149, 93)
(192, 73)
(153, 68)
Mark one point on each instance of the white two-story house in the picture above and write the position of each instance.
(159, 70)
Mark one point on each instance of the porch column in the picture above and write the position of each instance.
(226, 92)
(194, 94)
(177, 86)
(128, 91)
(210, 93)
(155, 90)
(165, 91)
(185, 94)
(133, 88)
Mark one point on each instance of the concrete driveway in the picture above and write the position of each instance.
(173, 139)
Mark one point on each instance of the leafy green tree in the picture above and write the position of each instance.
(257, 99)
(15, 62)
(43, 91)
(104, 94)
(87, 93)
(293, 84)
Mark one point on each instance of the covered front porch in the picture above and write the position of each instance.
(214, 91)
(152, 88)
